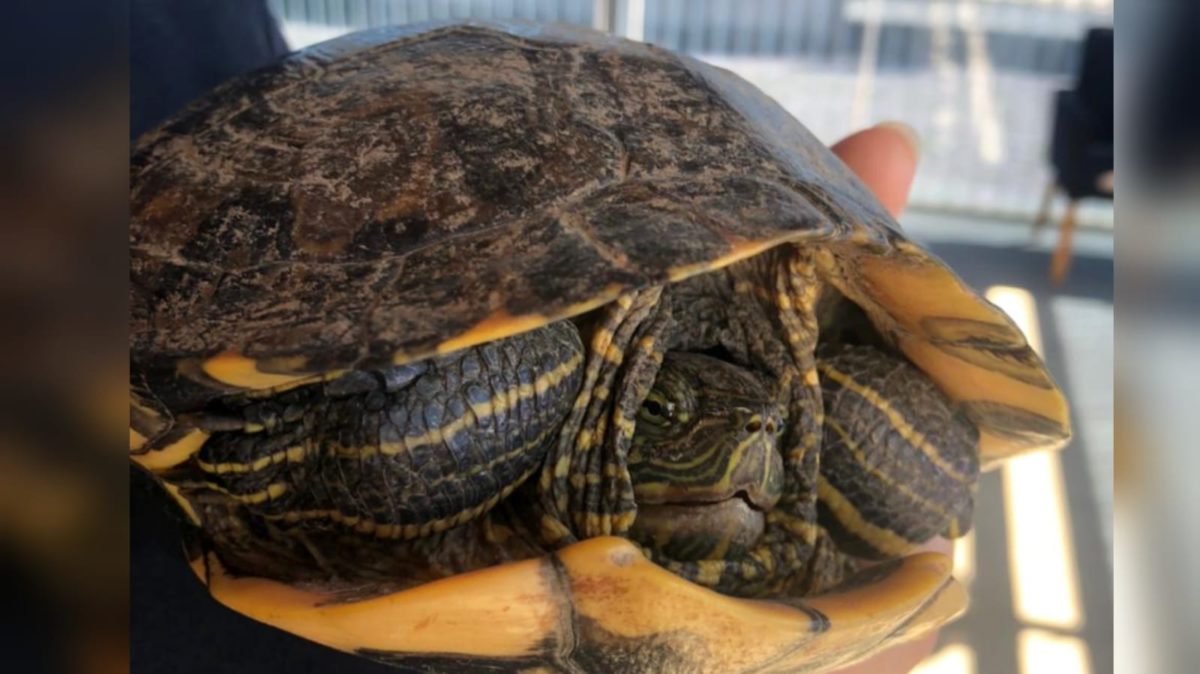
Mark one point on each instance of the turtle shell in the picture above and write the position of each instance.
(600, 606)
(411, 191)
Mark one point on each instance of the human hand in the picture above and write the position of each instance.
(885, 158)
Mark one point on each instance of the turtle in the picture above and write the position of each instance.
(500, 346)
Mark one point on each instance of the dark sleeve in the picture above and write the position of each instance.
(180, 49)
(1167, 95)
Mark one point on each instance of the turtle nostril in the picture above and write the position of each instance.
(770, 426)
(754, 426)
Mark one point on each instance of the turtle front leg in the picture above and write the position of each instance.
(380, 472)
(585, 489)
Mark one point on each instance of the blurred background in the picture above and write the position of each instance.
(980, 80)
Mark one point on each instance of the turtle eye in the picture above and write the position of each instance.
(657, 409)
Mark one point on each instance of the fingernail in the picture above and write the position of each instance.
(906, 132)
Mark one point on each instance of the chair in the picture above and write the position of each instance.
(1081, 146)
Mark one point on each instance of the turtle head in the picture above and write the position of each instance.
(705, 461)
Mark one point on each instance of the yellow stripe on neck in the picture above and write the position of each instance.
(905, 429)
(500, 403)
(860, 458)
(883, 540)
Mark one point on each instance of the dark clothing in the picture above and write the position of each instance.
(1165, 99)
(180, 49)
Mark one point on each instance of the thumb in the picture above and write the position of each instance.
(885, 158)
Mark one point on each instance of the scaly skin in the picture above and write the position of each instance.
(391, 478)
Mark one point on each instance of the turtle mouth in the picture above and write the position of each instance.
(754, 501)
(698, 529)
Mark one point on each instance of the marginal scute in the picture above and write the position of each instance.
(147, 421)
(625, 614)
(136, 440)
(1021, 425)
(233, 369)
(968, 347)
(738, 251)
(164, 457)
(971, 332)
(993, 346)
(417, 620)
(496, 326)
(917, 595)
